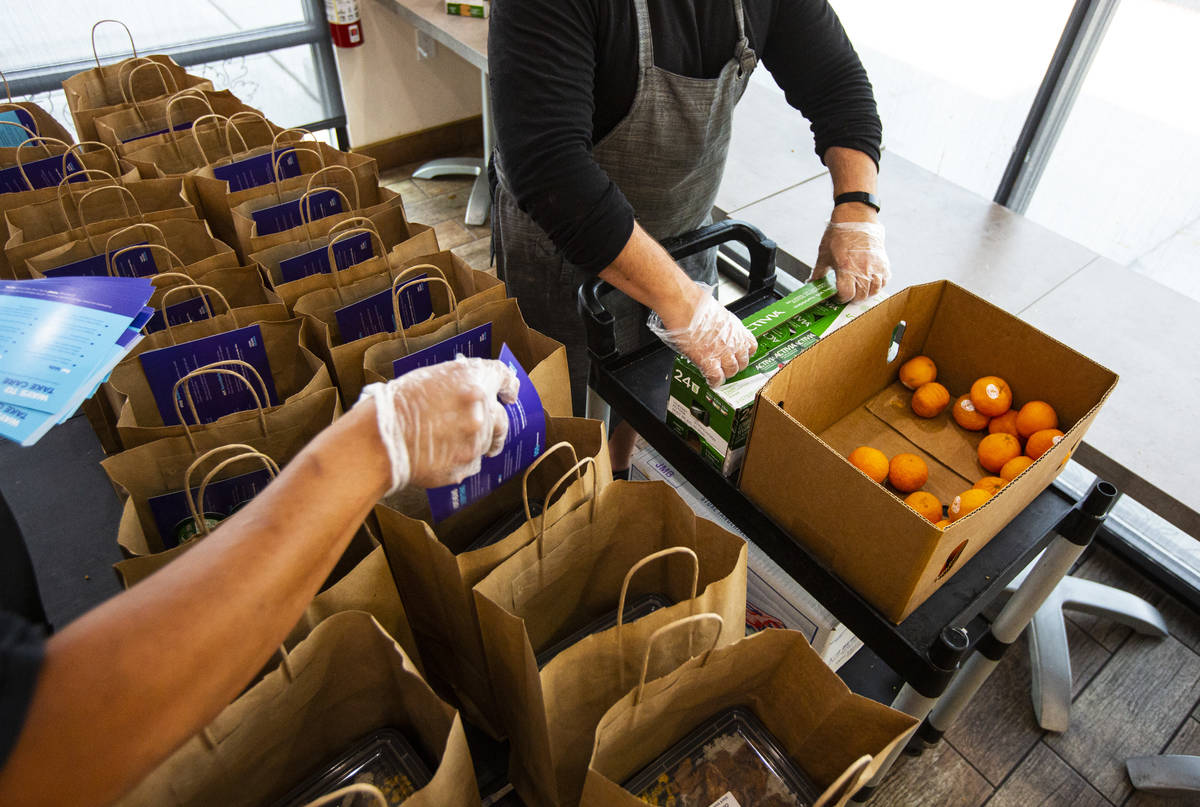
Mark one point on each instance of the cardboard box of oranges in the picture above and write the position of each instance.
(845, 393)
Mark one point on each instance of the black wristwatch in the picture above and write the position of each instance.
(868, 199)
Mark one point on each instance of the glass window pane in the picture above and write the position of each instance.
(1123, 177)
(56, 31)
(954, 81)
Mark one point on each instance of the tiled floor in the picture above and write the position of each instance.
(1133, 696)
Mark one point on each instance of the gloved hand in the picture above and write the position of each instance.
(854, 250)
(715, 340)
(437, 422)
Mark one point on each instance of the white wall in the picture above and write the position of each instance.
(389, 93)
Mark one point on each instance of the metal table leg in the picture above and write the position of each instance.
(1166, 775)
(1074, 534)
(480, 202)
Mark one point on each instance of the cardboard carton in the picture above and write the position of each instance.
(773, 598)
(844, 393)
(716, 421)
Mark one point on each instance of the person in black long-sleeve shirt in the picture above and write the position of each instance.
(612, 122)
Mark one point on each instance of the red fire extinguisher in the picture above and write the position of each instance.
(345, 26)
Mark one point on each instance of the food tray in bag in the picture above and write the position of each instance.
(383, 758)
(634, 609)
(729, 759)
(505, 526)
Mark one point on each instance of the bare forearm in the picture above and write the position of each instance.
(125, 684)
(851, 170)
(648, 274)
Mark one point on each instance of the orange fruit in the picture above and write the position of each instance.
(1036, 416)
(926, 504)
(991, 395)
(930, 399)
(1013, 468)
(997, 449)
(908, 472)
(943, 524)
(1042, 441)
(966, 415)
(871, 461)
(917, 371)
(1006, 423)
(991, 484)
(965, 502)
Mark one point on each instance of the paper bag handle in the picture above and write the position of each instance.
(559, 446)
(168, 84)
(32, 134)
(300, 130)
(305, 202)
(40, 141)
(231, 123)
(326, 168)
(359, 788)
(172, 259)
(65, 184)
(77, 148)
(124, 193)
(354, 222)
(219, 368)
(846, 785)
(398, 290)
(175, 137)
(687, 620)
(277, 158)
(191, 94)
(197, 505)
(128, 64)
(7, 89)
(199, 459)
(634, 569)
(128, 33)
(554, 489)
(150, 229)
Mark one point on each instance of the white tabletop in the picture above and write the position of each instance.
(465, 36)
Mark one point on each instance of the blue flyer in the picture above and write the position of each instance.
(215, 395)
(24, 426)
(346, 253)
(374, 314)
(190, 310)
(179, 127)
(11, 136)
(288, 215)
(526, 440)
(476, 342)
(135, 263)
(55, 333)
(44, 173)
(221, 498)
(251, 172)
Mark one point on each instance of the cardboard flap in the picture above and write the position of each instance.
(956, 448)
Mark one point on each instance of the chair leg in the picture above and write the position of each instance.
(1050, 660)
(1165, 775)
(1121, 607)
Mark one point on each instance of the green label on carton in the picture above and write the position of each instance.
(717, 421)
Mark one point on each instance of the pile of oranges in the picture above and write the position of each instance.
(1016, 438)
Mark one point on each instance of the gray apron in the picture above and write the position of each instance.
(667, 156)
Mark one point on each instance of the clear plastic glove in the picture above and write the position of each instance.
(715, 340)
(854, 251)
(436, 423)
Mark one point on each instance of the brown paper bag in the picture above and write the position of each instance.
(387, 219)
(175, 245)
(207, 143)
(823, 727)
(295, 369)
(44, 123)
(219, 203)
(107, 88)
(103, 209)
(435, 570)
(149, 123)
(642, 539)
(57, 210)
(544, 359)
(159, 467)
(455, 289)
(346, 680)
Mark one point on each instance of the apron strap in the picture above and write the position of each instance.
(645, 38)
(747, 59)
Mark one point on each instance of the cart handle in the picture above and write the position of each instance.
(599, 321)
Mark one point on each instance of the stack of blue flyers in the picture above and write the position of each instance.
(59, 339)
